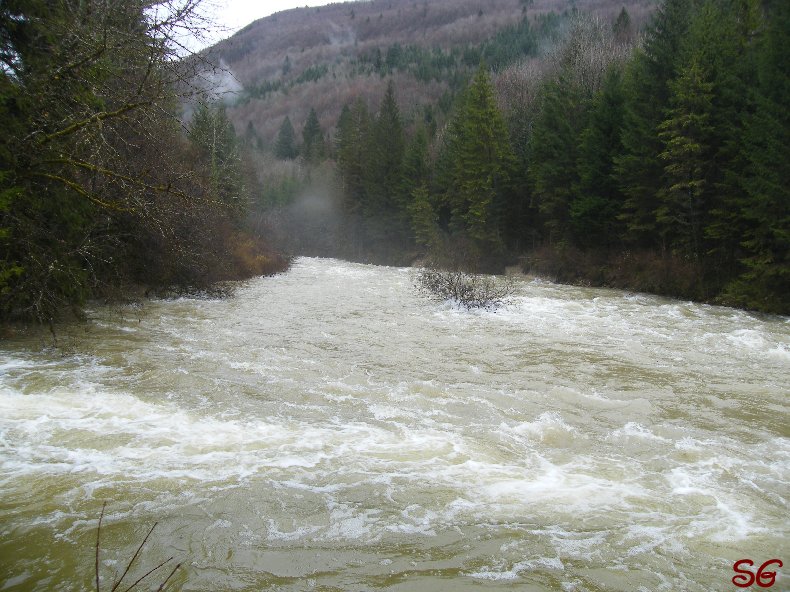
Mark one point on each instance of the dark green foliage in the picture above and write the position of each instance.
(554, 154)
(62, 161)
(686, 136)
(285, 145)
(509, 45)
(765, 283)
(383, 209)
(312, 74)
(352, 153)
(597, 200)
(646, 87)
(622, 27)
(479, 165)
(506, 47)
(261, 90)
(313, 147)
(387, 156)
(424, 218)
(416, 167)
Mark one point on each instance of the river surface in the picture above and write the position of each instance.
(331, 429)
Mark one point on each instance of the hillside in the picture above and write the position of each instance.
(325, 57)
(481, 134)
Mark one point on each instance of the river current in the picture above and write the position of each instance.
(331, 429)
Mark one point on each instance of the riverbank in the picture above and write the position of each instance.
(237, 257)
(648, 272)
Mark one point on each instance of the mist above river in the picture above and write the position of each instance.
(329, 427)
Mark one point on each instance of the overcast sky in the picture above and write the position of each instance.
(232, 15)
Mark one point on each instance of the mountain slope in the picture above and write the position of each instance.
(328, 56)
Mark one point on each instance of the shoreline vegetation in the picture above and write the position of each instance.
(649, 155)
(650, 158)
(118, 167)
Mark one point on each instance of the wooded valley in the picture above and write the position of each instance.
(641, 147)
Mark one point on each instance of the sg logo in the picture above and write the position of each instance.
(745, 578)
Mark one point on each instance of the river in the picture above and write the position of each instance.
(331, 429)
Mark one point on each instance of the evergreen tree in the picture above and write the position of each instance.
(686, 135)
(554, 154)
(386, 206)
(313, 147)
(416, 169)
(765, 284)
(285, 145)
(479, 163)
(622, 27)
(352, 147)
(720, 40)
(597, 201)
(424, 218)
(638, 168)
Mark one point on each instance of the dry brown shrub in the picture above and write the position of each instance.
(253, 258)
(466, 289)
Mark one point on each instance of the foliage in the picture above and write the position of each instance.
(285, 146)
(98, 186)
(597, 200)
(313, 148)
(685, 135)
(214, 139)
(312, 73)
(664, 149)
(478, 164)
(553, 154)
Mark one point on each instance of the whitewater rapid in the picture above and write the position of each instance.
(332, 429)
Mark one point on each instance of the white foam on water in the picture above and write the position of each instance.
(577, 546)
(719, 515)
(500, 572)
(609, 430)
(636, 430)
(549, 428)
(748, 339)
(562, 487)
(780, 352)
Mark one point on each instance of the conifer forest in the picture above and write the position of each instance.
(644, 149)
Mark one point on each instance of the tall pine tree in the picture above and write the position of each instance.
(639, 169)
(480, 165)
(285, 145)
(686, 136)
(597, 202)
(765, 283)
(313, 147)
(386, 206)
(554, 154)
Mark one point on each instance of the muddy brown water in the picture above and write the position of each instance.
(331, 429)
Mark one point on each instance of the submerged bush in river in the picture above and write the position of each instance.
(467, 289)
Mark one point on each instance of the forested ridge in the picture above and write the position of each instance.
(104, 190)
(585, 148)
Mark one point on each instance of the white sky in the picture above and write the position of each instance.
(232, 15)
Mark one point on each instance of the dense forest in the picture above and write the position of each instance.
(583, 148)
(103, 193)
(617, 146)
